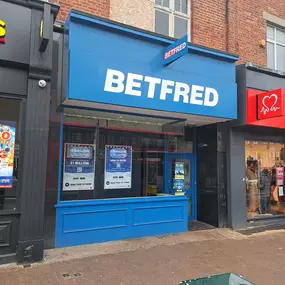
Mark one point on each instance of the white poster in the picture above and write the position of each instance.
(79, 167)
(118, 167)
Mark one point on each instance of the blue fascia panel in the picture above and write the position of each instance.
(109, 66)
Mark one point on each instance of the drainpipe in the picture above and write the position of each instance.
(227, 23)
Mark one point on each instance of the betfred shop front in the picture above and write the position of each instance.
(132, 103)
(257, 144)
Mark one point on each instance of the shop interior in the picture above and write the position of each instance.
(265, 178)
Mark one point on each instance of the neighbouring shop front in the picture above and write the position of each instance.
(127, 164)
(24, 116)
(257, 145)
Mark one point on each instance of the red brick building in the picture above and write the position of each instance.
(235, 26)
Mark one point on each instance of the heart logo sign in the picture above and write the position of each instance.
(269, 104)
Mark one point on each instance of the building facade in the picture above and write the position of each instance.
(25, 75)
(131, 131)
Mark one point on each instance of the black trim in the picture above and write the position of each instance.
(35, 4)
(265, 70)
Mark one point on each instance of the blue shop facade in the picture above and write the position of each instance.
(129, 116)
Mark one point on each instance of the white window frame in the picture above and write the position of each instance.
(172, 13)
(275, 42)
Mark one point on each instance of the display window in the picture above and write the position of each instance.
(265, 173)
(120, 157)
(9, 153)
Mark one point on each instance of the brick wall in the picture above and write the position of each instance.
(241, 34)
(96, 7)
(208, 23)
(248, 27)
(138, 13)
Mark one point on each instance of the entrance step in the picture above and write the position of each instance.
(198, 226)
(259, 226)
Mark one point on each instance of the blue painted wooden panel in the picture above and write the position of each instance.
(115, 219)
(157, 215)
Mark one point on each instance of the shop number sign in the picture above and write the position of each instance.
(270, 104)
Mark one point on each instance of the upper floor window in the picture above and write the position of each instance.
(172, 17)
(275, 48)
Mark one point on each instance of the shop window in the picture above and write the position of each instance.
(172, 17)
(275, 48)
(265, 181)
(9, 153)
(103, 161)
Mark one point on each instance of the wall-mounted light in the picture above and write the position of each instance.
(262, 43)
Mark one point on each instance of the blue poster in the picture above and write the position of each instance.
(118, 167)
(178, 183)
(7, 150)
(79, 167)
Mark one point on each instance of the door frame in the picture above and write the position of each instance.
(167, 176)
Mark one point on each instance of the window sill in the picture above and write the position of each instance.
(146, 199)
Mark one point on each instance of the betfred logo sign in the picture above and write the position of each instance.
(2, 32)
(270, 104)
(176, 50)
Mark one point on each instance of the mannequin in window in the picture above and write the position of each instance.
(252, 186)
(265, 190)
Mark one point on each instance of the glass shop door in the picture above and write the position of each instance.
(180, 170)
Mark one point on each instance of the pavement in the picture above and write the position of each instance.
(163, 260)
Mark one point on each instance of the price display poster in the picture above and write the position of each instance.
(179, 178)
(7, 150)
(79, 167)
(280, 180)
(118, 167)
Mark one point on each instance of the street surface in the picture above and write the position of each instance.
(166, 260)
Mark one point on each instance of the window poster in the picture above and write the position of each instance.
(79, 167)
(118, 167)
(179, 178)
(7, 150)
(280, 176)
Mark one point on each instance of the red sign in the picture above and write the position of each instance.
(253, 110)
(270, 104)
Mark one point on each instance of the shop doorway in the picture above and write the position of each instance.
(187, 160)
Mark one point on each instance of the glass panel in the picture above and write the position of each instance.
(9, 153)
(161, 23)
(280, 36)
(180, 27)
(158, 2)
(166, 3)
(177, 6)
(270, 55)
(280, 50)
(184, 7)
(270, 33)
(265, 178)
(189, 205)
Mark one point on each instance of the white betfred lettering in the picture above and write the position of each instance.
(131, 84)
(164, 88)
(114, 77)
(151, 86)
(208, 92)
(181, 89)
(197, 95)
(138, 85)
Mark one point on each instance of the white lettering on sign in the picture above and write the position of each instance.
(174, 51)
(131, 84)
